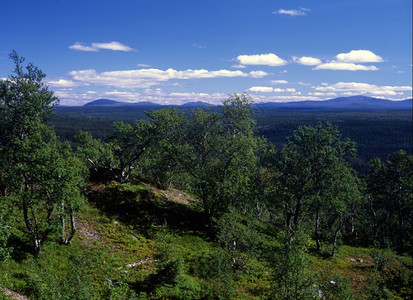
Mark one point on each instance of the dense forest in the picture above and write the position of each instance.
(377, 133)
(203, 203)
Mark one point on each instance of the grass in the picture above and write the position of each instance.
(132, 241)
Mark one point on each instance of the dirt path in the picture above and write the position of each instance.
(14, 295)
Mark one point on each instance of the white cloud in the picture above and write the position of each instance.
(144, 78)
(287, 98)
(359, 56)
(269, 59)
(307, 60)
(261, 89)
(292, 12)
(143, 65)
(267, 89)
(278, 81)
(322, 94)
(339, 66)
(355, 88)
(115, 46)
(82, 47)
(95, 47)
(258, 74)
(152, 95)
(62, 83)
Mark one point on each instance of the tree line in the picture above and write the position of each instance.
(305, 187)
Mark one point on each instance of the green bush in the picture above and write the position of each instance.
(5, 230)
(237, 235)
(72, 282)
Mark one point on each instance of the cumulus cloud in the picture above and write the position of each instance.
(267, 89)
(359, 56)
(152, 95)
(261, 89)
(144, 78)
(341, 66)
(351, 61)
(307, 60)
(292, 12)
(269, 59)
(354, 88)
(258, 74)
(62, 83)
(95, 47)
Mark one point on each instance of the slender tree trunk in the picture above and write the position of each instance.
(29, 225)
(36, 240)
(316, 230)
(66, 238)
(333, 252)
(297, 213)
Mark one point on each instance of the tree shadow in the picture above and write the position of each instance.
(137, 206)
(21, 248)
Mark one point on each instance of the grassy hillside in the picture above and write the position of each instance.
(136, 241)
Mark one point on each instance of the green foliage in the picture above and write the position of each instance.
(291, 277)
(120, 290)
(95, 155)
(5, 229)
(390, 279)
(332, 285)
(313, 181)
(73, 283)
(390, 189)
(217, 151)
(238, 237)
(377, 133)
(215, 155)
(36, 168)
(215, 270)
(130, 144)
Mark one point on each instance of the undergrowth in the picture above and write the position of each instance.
(131, 243)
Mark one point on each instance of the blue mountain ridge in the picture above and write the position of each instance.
(343, 103)
(107, 102)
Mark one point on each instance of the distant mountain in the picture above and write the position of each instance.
(342, 103)
(107, 102)
(196, 104)
(103, 102)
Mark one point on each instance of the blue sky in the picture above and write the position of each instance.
(172, 52)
